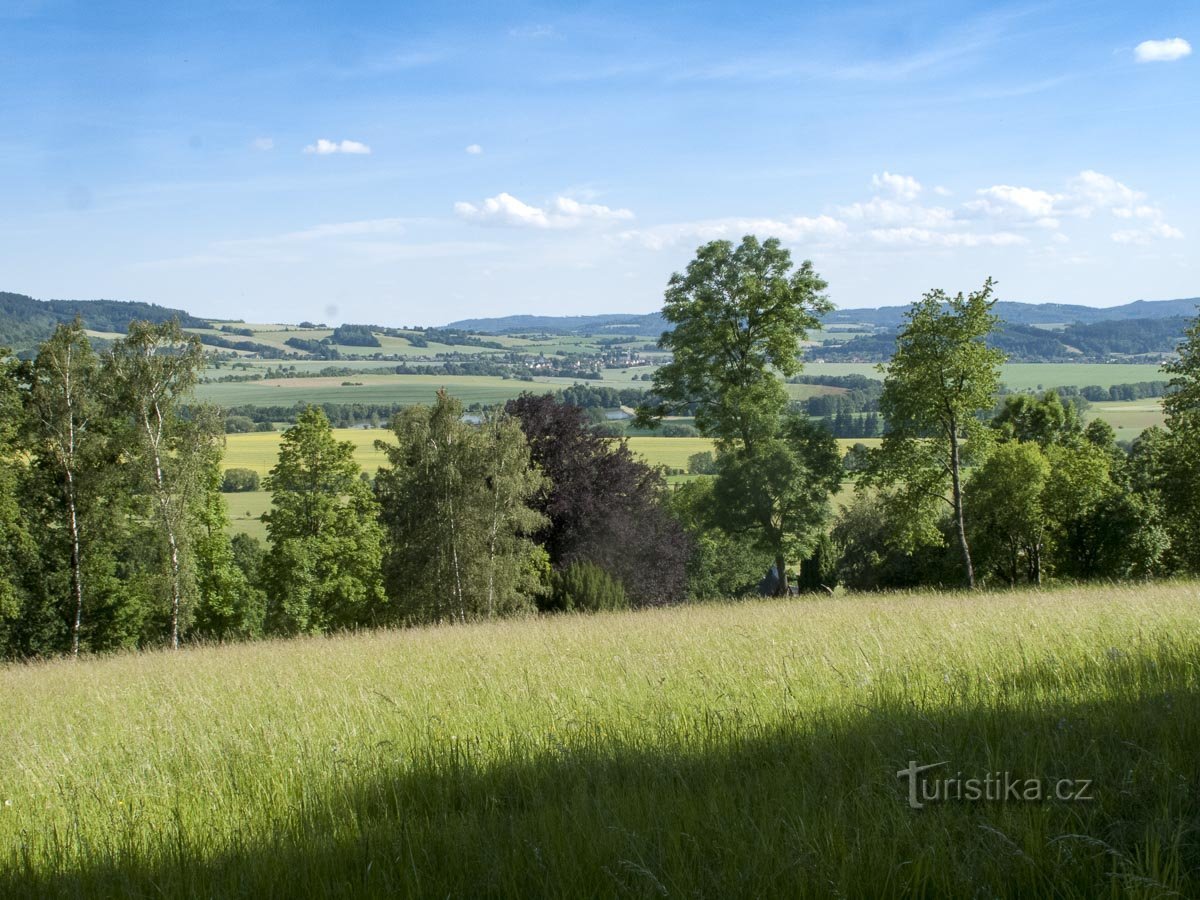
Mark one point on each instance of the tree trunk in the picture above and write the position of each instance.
(164, 508)
(76, 564)
(959, 520)
(781, 588)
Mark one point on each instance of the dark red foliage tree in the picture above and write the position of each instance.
(605, 506)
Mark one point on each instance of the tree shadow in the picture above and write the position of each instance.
(725, 808)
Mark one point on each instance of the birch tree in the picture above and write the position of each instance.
(455, 500)
(155, 367)
(66, 422)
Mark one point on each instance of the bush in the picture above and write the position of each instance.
(818, 571)
(237, 481)
(238, 424)
(702, 463)
(677, 430)
(585, 587)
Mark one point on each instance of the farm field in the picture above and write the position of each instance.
(1129, 418)
(258, 450)
(1028, 376)
(386, 388)
(638, 754)
(404, 389)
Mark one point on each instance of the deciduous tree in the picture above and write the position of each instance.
(322, 571)
(941, 378)
(455, 503)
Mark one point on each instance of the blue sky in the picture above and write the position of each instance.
(408, 163)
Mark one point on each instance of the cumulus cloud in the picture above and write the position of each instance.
(1167, 50)
(474, 149)
(1160, 230)
(263, 143)
(1088, 194)
(795, 228)
(903, 186)
(325, 147)
(910, 236)
(1005, 199)
(562, 212)
(882, 211)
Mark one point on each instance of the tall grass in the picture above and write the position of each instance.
(725, 750)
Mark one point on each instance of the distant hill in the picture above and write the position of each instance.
(616, 323)
(26, 322)
(1035, 313)
(881, 317)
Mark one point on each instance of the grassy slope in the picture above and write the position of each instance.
(730, 750)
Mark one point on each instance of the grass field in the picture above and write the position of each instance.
(725, 750)
(1129, 418)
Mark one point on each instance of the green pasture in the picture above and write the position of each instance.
(725, 750)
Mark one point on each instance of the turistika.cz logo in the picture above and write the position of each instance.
(994, 787)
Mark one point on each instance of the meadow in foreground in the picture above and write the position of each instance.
(722, 750)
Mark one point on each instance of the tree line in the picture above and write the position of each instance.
(114, 534)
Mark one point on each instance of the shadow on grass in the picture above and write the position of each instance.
(727, 809)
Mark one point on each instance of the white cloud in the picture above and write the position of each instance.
(1092, 191)
(1007, 200)
(563, 212)
(881, 211)
(909, 236)
(1160, 230)
(263, 143)
(797, 228)
(1167, 50)
(474, 149)
(324, 147)
(903, 186)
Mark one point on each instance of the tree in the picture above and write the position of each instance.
(239, 480)
(1080, 481)
(941, 378)
(779, 493)
(17, 551)
(455, 505)
(739, 316)
(1178, 465)
(1008, 525)
(155, 368)
(721, 564)
(1045, 420)
(66, 423)
(602, 504)
(228, 605)
(322, 569)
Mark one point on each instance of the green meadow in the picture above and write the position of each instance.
(723, 750)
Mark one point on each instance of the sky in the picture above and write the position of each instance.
(410, 163)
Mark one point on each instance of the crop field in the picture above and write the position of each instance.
(724, 750)
(405, 389)
(258, 450)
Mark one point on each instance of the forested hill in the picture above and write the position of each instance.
(617, 323)
(26, 322)
(881, 317)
